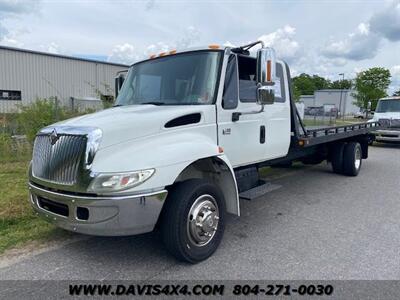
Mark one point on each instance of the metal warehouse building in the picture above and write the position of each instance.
(343, 100)
(26, 75)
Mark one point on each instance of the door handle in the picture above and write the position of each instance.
(262, 134)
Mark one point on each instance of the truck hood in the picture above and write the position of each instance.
(123, 123)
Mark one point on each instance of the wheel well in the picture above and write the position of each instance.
(218, 172)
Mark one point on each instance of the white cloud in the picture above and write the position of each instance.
(365, 41)
(18, 6)
(190, 37)
(395, 84)
(3, 31)
(150, 4)
(387, 21)
(358, 45)
(9, 41)
(8, 10)
(125, 53)
(53, 48)
(156, 48)
(395, 71)
(283, 40)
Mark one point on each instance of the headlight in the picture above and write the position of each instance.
(111, 182)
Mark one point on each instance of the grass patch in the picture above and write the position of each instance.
(18, 223)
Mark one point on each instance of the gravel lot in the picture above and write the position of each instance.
(319, 225)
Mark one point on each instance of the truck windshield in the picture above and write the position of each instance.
(388, 106)
(182, 79)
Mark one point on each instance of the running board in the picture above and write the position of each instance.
(259, 191)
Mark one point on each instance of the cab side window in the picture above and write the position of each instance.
(230, 96)
(248, 85)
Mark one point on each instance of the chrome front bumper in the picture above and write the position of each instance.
(387, 135)
(98, 215)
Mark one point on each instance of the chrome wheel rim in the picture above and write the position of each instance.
(202, 220)
(357, 160)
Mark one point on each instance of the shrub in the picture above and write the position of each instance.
(5, 145)
(41, 113)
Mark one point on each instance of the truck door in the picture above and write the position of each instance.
(254, 137)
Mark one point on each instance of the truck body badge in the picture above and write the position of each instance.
(53, 137)
(226, 131)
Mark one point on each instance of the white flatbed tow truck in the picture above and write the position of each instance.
(181, 148)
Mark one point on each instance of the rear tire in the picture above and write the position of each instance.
(193, 220)
(352, 159)
(337, 158)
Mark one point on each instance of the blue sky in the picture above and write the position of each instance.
(322, 37)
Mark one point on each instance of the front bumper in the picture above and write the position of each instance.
(98, 215)
(387, 135)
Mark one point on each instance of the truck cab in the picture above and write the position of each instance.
(387, 113)
(181, 146)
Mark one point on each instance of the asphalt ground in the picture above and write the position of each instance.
(319, 225)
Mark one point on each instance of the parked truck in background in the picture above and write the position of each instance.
(181, 148)
(387, 113)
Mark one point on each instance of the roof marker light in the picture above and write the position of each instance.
(213, 46)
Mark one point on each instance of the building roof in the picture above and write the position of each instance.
(61, 56)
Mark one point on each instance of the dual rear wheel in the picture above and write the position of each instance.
(346, 158)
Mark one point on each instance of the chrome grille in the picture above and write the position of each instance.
(390, 123)
(60, 162)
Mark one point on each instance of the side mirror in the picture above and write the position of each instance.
(265, 95)
(265, 76)
(119, 80)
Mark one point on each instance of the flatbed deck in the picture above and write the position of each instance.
(321, 135)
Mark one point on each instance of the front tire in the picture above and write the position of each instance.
(193, 220)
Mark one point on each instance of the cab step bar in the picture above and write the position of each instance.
(258, 191)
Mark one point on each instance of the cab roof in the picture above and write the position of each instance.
(391, 98)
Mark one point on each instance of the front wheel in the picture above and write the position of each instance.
(193, 220)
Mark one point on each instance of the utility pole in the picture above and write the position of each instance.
(341, 93)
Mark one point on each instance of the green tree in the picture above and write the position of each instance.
(341, 84)
(371, 85)
(305, 84)
(397, 93)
